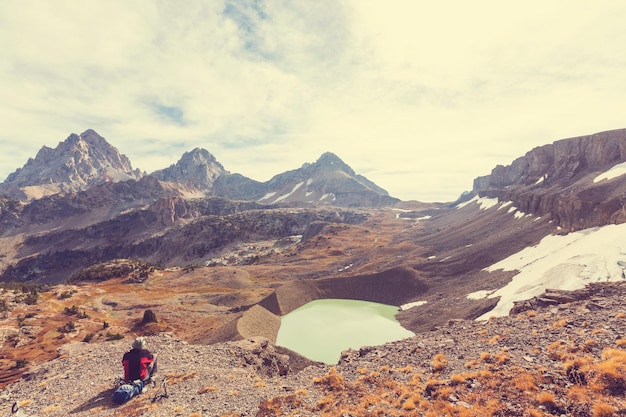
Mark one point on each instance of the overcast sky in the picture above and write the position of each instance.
(420, 97)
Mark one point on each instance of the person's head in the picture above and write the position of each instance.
(139, 343)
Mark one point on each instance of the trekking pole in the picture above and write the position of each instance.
(161, 391)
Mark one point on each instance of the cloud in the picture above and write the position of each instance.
(420, 97)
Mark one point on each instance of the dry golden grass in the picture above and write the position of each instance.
(602, 410)
(546, 398)
(439, 362)
(525, 382)
(207, 389)
(502, 357)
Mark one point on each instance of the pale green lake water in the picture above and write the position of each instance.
(321, 329)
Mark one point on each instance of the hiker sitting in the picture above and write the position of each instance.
(139, 363)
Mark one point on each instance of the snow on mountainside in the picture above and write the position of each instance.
(78, 163)
(561, 262)
(328, 180)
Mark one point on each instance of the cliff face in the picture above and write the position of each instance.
(564, 180)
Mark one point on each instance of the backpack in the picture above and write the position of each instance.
(127, 391)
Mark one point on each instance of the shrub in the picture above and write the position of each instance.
(68, 327)
(32, 297)
(610, 373)
(546, 398)
(525, 382)
(21, 363)
(70, 311)
(502, 357)
(113, 336)
(602, 410)
(66, 294)
(149, 317)
(439, 362)
(333, 380)
(88, 337)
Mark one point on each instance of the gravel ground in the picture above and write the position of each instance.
(232, 379)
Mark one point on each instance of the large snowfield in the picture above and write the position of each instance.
(561, 262)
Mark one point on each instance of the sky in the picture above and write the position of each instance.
(420, 97)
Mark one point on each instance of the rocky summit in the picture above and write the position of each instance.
(514, 291)
(78, 163)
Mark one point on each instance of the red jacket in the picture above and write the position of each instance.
(136, 363)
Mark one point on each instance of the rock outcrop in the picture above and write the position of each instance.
(564, 180)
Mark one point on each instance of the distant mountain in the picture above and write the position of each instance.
(327, 181)
(78, 163)
(198, 169)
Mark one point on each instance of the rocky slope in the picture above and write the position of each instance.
(564, 359)
(564, 180)
(196, 233)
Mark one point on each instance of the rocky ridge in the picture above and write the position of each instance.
(562, 180)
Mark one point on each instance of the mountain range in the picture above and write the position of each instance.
(86, 160)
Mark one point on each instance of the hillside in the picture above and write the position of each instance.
(564, 359)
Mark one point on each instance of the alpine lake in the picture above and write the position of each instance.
(322, 329)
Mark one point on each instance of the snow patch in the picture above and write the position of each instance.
(561, 262)
(487, 203)
(407, 306)
(484, 203)
(614, 172)
(505, 204)
(268, 196)
(479, 295)
(465, 203)
(295, 188)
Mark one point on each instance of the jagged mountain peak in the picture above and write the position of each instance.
(200, 156)
(328, 161)
(77, 163)
(197, 168)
